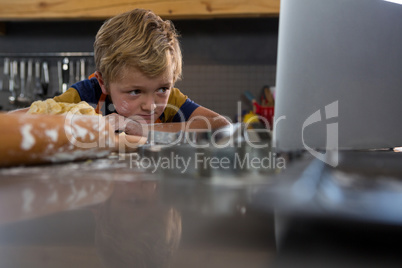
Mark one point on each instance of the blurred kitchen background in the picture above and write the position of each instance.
(223, 57)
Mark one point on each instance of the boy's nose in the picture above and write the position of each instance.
(148, 104)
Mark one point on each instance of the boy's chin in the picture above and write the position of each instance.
(148, 121)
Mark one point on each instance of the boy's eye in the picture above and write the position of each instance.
(163, 90)
(134, 92)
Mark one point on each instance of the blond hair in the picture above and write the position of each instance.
(139, 39)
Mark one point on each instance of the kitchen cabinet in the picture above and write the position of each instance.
(171, 9)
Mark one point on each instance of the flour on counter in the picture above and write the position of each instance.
(72, 196)
(77, 154)
(59, 166)
(28, 196)
(81, 194)
(53, 198)
(28, 141)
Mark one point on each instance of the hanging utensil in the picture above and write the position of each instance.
(77, 71)
(6, 74)
(29, 79)
(38, 92)
(60, 77)
(14, 82)
(82, 67)
(65, 74)
(22, 97)
(45, 78)
(71, 78)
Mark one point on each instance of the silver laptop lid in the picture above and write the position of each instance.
(339, 75)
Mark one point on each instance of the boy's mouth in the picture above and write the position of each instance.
(147, 117)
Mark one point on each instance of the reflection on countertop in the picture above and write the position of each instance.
(111, 213)
(116, 212)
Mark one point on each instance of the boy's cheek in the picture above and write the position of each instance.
(160, 108)
(124, 109)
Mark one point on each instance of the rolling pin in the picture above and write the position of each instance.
(34, 139)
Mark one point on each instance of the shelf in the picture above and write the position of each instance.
(47, 54)
(102, 9)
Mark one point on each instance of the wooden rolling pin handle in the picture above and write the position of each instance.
(34, 139)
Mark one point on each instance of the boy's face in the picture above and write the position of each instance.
(136, 95)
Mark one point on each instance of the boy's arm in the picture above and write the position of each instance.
(201, 118)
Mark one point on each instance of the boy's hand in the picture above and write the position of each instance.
(127, 125)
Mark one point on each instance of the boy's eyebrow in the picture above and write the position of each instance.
(167, 84)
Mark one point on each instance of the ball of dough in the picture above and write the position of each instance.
(50, 106)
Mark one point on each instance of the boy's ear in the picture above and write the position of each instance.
(101, 82)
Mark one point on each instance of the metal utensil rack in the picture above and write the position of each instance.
(27, 77)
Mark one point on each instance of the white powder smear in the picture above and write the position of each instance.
(50, 147)
(28, 141)
(72, 195)
(80, 132)
(81, 194)
(52, 134)
(76, 154)
(27, 197)
(53, 198)
(68, 129)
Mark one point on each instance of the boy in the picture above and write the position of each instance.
(138, 60)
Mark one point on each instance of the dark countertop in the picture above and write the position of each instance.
(108, 211)
(115, 212)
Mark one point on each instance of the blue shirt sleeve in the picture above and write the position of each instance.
(89, 90)
(186, 110)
